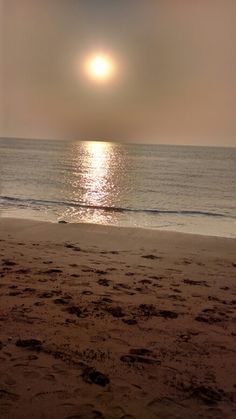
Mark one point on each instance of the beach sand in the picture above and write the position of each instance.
(106, 322)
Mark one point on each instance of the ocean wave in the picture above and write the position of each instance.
(23, 202)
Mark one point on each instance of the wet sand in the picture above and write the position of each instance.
(103, 322)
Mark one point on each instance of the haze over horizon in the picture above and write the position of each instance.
(175, 70)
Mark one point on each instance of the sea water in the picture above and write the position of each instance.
(180, 188)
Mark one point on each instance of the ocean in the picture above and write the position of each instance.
(179, 188)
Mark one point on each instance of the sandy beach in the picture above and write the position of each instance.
(106, 322)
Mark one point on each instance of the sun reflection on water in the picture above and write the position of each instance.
(96, 167)
(98, 157)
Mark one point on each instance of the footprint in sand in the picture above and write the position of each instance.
(8, 380)
(152, 257)
(14, 293)
(86, 292)
(140, 355)
(130, 322)
(48, 294)
(194, 282)
(87, 411)
(59, 368)
(62, 301)
(8, 262)
(6, 395)
(49, 377)
(31, 374)
(61, 394)
(23, 271)
(104, 282)
(145, 281)
(92, 376)
(115, 311)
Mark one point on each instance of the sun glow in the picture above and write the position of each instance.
(100, 67)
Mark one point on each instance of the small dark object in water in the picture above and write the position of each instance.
(92, 376)
(62, 222)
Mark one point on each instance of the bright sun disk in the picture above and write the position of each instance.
(100, 67)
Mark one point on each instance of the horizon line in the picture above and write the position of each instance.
(117, 142)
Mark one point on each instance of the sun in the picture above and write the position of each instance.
(100, 67)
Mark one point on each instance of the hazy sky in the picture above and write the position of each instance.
(176, 70)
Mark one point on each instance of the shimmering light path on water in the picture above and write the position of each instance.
(189, 189)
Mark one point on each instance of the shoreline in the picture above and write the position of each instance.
(97, 225)
(112, 323)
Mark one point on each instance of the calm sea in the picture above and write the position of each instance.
(187, 189)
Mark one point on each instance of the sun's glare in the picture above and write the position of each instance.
(100, 67)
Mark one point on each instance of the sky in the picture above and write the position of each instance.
(175, 70)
